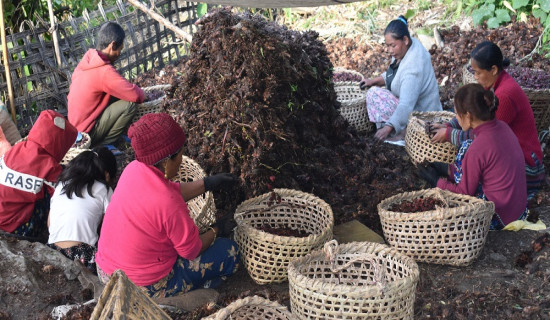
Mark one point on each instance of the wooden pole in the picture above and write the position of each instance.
(53, 30)
(6, 62)
(180, 33)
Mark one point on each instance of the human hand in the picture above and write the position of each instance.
(383, 132)
(219, 181)
(225, 225)
(439, 135)
(429, 174)
(367, 83)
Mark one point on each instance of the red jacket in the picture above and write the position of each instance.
(93, 83)
(31, 166)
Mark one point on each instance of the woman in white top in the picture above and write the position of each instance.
(78, 204)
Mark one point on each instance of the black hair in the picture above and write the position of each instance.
(487, 54)
(398, 28)
(86, 168)
(480, 103)
(109, 32)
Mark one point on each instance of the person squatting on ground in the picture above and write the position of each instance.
(29, 171)
(409, 80)
(101, 102)
(147, 231)
(491, 166)
(514, 109)
(81, 196)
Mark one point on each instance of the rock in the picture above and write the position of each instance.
(427, 41)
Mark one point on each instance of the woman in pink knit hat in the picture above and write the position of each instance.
(147, 231)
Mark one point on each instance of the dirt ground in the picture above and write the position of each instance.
(509, 280)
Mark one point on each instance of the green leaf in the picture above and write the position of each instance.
(545, 5)
(492, 23)
(519, 3)
(409, 14)
(539, 14)
(502, 15)
(202, 8)
(482, 13)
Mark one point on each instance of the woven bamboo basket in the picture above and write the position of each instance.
(452, 235)
(152, 106)
(419, 145)
(252, 308)
(357, 280)
(351, 72)
(71, 154)
(122, 299)
(538, 98)
(266, 256)
(201, 208)
(354, 105)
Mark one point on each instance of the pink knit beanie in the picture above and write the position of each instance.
(155, 136)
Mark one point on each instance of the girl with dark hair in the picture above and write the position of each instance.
(491, 166)
(78, 204)
(514, 109)
(410, 83)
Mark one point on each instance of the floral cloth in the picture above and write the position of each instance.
(206, 271)
(456, 169)
(38, 220)
(381, 104)
(83, 252)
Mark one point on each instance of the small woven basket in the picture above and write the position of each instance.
(252, 308)
(419, 145)
(353, 105)
(152, 106)
(202, 208)
(467, 75)
(265, 255)
(357, 280)
(71, 154)
(452, 235)
(538, 98)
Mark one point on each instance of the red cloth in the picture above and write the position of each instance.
(494, 159)
(514, 109)
(146, 227)
(38, 156)
(93, 83)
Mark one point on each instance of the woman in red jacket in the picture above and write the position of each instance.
(29, 171)
(514, 109)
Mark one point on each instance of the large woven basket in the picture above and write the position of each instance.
(357, 280)
(252, 308)
(201, 208)
(351, 72)
(265, 255)
(453, 235)
(538, 98)
(353, 106)
(419, 145)
(153, 106)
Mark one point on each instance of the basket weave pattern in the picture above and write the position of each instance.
(364, 280)
(538, 98)
(452, 235)
(252, 308)
(353, 101)
(202, 208)
(152, 106)
(265, 255)
(71, 154)
(418, 144)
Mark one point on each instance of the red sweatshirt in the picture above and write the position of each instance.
(495, 160)
(32, 165)
(93, 83)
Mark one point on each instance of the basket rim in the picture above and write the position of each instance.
(465, 69)
(208, 195)
(381, 251)
(439, 213)
(253, 232)
(255, 300)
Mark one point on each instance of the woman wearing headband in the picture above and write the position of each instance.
(410, 83)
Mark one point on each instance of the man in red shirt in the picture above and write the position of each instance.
(101, 102)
